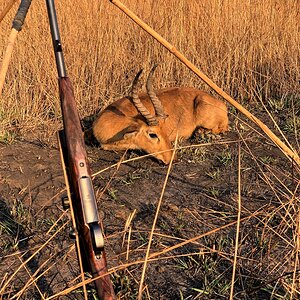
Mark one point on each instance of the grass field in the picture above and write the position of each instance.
(251, 49)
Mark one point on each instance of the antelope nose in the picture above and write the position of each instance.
(167, 159)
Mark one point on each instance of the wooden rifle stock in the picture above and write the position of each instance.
(79, 181)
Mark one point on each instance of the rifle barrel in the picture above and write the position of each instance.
(59, 57)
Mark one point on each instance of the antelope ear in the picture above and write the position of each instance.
(130, 135)
(125, 133)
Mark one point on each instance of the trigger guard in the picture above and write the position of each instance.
(97, 237)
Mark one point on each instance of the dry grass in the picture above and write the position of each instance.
(249, 48)
(268, 242)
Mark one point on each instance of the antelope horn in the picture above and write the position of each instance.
(159, 110)
(151, 120)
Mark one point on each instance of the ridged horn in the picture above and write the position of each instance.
(159, 110)
(151, 120)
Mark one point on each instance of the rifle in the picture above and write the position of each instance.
(81, 197)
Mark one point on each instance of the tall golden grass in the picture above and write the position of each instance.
(248, 47)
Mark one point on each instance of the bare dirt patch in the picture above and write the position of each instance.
(200, 201)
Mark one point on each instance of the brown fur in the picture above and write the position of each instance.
(121, 127)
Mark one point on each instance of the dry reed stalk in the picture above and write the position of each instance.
(238, 225)
(290, 153)
(295, 281)
(79, 285)
(56, 222)
(276, 125)
(287, 210)
(127, 227)
(141, 286)
(3, 279)
(128, 243)
(117, 165)
(270, 183)
(201, 236)
(31, 279)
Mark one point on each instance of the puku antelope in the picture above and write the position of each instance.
(150, 122)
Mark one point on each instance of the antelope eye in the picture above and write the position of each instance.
(153, 136)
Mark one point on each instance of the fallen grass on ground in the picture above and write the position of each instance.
(193, 247)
